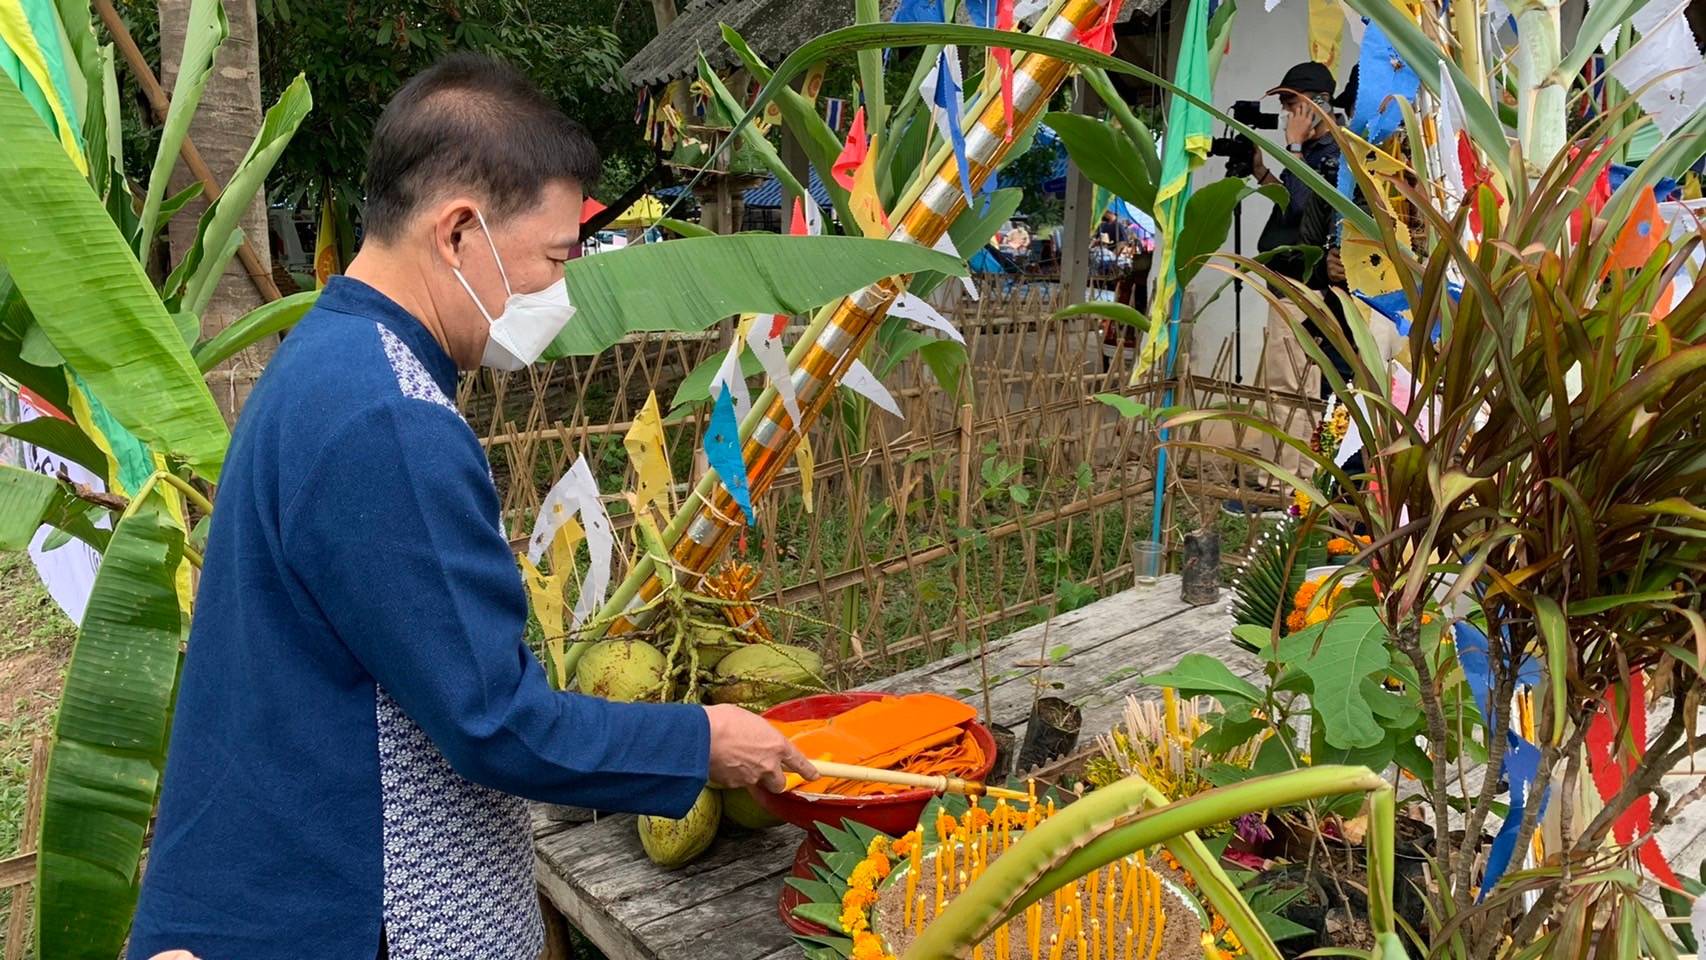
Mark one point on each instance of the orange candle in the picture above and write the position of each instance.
(918, 922)
(1034, 929)
(1158, 913)
(1128, 942)
(1108, 910)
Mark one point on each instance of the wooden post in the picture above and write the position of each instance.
(1079, 219)
(794, 158)
(18, 926)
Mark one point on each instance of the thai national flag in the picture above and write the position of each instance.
(832, 110)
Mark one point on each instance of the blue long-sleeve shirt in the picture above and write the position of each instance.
(358, 716)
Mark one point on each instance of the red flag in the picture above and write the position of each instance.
(1100, 36)
(1474, 175)
(1597, 197)
(1609, 772)
(1004, 60)
(852, 154)
(1640, 237)
(797, 225)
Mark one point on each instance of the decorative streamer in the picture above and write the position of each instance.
(722, 452)
(1382, 76)
(1326, 27)
(910, 307)
(998, 14)
(918, 11)
(863, 382)
(1099, 36)
(30, 31)
(1025, 10)
(731, 376)
(803, 460)
(1665, 57)
(1522, 759)
(646, 451)
(576, 493)
(853, 152)
(833, 108)
(942, 88)
(1610, 770)
(1453, 126)
(1640, 237)
(864, 201)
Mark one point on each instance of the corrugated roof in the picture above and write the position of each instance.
(768, 193)
(773, 28)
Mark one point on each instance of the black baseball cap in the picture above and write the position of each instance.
(1306, 78)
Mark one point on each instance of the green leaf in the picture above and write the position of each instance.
(1135, 130)
(1020, 493)
(37, 349)
(1208, 219)
(1106, 156)
(759, 144)
(252, 327)
(685, 228)
(617, 293)
(110, 743)
(1280, 928)
(823, 914)
(1557, 635)
(947, 361)
(1338, 655)
(819, 891)
(1118, 312)
(192, 283)
(1231, 730)
(90, 295)
(1127, 407)
(25, 497)
(61, 438)
(1274, 756)
(1199, 673)
(1413, 759)
(206, 30)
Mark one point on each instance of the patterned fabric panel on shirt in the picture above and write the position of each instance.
(458, 856)
(412, 378)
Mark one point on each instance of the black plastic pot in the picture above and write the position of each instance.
(1051, 732)
(1200, 579)
(1006, 745)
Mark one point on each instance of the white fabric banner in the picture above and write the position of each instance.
(68, 570)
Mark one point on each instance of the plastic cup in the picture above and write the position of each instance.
(1146, 562)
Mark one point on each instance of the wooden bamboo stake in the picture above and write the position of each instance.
(17, 926)
(158, 101)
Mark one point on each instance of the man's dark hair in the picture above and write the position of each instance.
(470, 123)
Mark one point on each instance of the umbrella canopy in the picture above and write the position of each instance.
(644, 212)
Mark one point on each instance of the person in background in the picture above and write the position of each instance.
(1105, 244)
(1017, 241)
(1302, 219)
(359, 715)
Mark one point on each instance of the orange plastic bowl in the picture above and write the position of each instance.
(893, 814)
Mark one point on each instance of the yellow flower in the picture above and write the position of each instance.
(1318, 615)
(1339, 547)
(867, 946)
(906, 844)
(1300, 500)
(864, 876)
(853, 920)
(880, 847)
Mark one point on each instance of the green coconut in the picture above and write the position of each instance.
(712, 644)
(742, 809)
(674, 843)
(760, 675)
(625, 670)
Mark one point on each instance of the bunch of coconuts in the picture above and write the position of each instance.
(684, 657)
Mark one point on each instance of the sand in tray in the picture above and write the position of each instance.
(1181, 937)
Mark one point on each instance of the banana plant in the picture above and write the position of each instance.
(1131, 815)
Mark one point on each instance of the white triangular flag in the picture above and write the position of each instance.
(814, 217)
(910, 307)
(576, 492)
(1451, 121)
(946, 245)
(769, 351)
(730, 373)
(862, 381)
(1024, 10)
(1269, 5)
(1665, 67)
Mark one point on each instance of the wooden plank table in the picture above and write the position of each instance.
(723, 905)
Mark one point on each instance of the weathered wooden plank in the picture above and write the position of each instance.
(739, 925)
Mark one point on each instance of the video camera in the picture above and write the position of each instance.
(1239, 150)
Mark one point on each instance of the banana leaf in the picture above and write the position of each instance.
(689, 284)
(192, 283)
(757, 141)
(1135, 130)
(1208, 218)
(207, 29)
(1106, 156)
(869, 13)
(263, 321)
(87, 290)
(61, 438)
(110, 744)
(25, 496)
(876, 36)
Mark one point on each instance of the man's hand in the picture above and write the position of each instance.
(1335, 267)
(1258, 166)
(747, 750)
(1300, 124)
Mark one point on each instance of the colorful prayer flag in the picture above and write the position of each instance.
(766, 343)
(863, 382)
(943, 89)
(864, 201)
(1326, 27)
(30, 36)
(918, 11)
(1099, 36)
(1641, 235)
(722, 452)
(326, 263)
(803, 460)
(650, 458)
(1189, 133)
(911, 307)
(1382, 78)
(1610, 770)
(852, 152)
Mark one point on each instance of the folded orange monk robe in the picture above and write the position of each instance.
(918, 733)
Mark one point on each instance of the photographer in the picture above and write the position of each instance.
(1304, 219)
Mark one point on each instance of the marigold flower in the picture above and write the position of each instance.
(867, 946)
(1318, 615)
(1294, 621)
(880, 846)
(1306, 594)
(1339, 547)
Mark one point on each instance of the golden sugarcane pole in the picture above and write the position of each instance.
(710, 518)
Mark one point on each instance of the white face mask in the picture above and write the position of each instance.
(529, 322)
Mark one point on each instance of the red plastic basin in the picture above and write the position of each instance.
(893, 814)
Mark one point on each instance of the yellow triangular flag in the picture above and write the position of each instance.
(803, 460)
(866, 205)
(563, 546)
(647, 453)
(546, 594)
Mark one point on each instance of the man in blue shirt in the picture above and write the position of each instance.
(359, 717)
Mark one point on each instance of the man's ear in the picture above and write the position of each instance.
(455, 225)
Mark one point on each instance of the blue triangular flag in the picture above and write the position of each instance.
(919, 11)
(1382, 74)
(941, 88)
(982, 13)
(722, 452)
